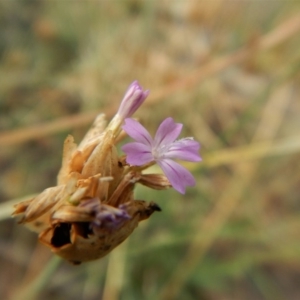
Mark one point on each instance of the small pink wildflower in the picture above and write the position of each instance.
(162, 149)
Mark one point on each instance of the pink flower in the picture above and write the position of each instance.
(162, 149)
(132, 100)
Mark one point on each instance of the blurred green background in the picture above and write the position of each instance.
(227, 70)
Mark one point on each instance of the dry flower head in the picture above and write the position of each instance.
(92, 208)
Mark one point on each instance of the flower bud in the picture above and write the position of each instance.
(133, 99)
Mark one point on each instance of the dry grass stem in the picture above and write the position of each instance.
(282, 33)
(115, 275)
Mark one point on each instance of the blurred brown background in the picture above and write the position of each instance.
(227, 70)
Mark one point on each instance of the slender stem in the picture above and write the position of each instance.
(139, 168)
(40, 281)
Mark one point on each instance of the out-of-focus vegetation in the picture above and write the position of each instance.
(227, 70)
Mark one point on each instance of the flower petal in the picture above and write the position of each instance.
(137, 131)
(178, 176)
(167, 132)
(132, 100)
(137, 153)
(184, 149)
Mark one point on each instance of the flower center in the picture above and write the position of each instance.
(155, 153)
(159, 151)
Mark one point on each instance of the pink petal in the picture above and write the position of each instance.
(137, 154)
(167, 132)
(185, 149)
(178, 176)
(132, 100)
(137, 131)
